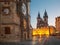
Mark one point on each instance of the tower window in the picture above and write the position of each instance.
(7, 30)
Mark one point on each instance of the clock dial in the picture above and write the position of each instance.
(6, 11)
(23, 9)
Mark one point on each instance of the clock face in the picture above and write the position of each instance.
(23, 9)
(6, 11)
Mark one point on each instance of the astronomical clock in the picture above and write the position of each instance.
(6, 11)
(24, 8)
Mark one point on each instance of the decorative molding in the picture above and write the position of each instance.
(10, 24)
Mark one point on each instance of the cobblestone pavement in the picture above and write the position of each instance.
(38, 41)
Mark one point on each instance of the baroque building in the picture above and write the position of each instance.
(57, 23)
(14, 20)
(42, 22)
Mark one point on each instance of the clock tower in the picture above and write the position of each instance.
(24, 13)
(14, 20)
(9, 21)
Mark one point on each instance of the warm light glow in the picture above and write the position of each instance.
(43, 31)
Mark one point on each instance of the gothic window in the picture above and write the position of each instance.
(7, 30)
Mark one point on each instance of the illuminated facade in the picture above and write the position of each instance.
(14, 20)
(42, 26)
(42, 22)
(44, 31)
(57, 23)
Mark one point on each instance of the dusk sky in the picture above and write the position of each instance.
(52, 7)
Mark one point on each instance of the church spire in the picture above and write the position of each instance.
(45, 14)
(45, 18)
(38, 15)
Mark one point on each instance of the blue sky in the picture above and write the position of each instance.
(52, 7)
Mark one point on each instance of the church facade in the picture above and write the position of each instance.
(14, 20)
(42, 22)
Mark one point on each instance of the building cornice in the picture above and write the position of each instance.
(10, 24)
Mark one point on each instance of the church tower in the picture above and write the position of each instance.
(38, 20)
(45, 17)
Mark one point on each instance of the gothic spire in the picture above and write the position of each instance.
(38, 15)
(45, 14)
